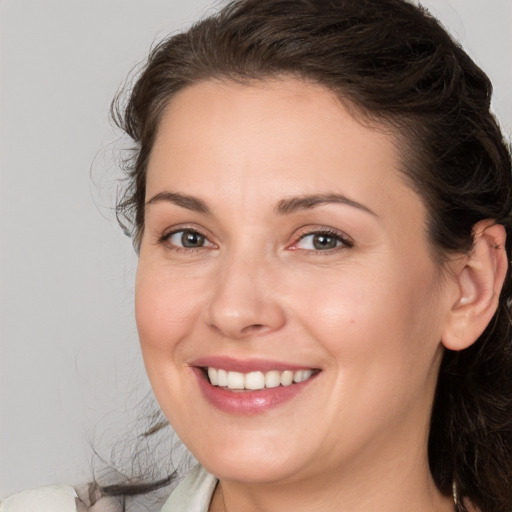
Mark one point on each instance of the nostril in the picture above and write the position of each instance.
(253, 328)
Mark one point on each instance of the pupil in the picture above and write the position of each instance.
(191, 239)
(324, 242)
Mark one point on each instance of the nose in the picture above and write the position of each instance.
(244, 302)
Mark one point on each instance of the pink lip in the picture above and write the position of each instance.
(246, 403)
(244, 366)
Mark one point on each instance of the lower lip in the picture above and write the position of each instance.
(247, 403)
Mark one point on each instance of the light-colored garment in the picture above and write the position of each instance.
(51, 498)
(59, 498)
(193, 494)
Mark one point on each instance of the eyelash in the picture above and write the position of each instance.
(165, 240)
(343, 240)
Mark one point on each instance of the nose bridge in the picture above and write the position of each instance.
(244, 301)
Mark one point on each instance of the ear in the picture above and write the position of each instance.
(478, 281)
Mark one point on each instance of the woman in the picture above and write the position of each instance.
(320, 190)
(320, 201)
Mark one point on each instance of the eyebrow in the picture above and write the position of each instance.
(295, 204)
(284, 207)
(183, 200)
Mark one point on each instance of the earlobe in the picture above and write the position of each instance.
(478, 280)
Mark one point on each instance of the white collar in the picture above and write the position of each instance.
(193, 494)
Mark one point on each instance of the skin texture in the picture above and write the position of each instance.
(371, 314)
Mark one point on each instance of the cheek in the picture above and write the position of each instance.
(379, 330)
(338, 305)
(387, 318)
(164, 307)
(166, 311)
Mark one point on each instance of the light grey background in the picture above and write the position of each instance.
(70, 367)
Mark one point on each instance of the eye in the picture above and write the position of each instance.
(187, 239)
(322, 241)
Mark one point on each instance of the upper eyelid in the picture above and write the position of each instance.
(313, 230)
(324, 232)
(178, 228)
(346, 242)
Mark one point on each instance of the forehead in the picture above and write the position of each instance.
(235, 123)
(253, 144)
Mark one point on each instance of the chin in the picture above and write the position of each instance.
(250, 470)
(254, 458)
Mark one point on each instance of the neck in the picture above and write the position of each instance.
(420, 497)
(399, 483)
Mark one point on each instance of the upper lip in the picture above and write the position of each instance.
(245, 365)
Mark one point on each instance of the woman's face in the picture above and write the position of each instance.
(281, 242)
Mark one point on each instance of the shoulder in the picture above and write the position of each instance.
(59, 498)
(193, 494)
(51, 498)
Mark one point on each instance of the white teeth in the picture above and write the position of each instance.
(302, 375)
(297, 376)
(256, 380)
(286, 378)
(272, 379)
(222, 377)
(236, 380)
(306, 374)
(212, 375)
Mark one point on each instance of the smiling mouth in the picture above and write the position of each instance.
(253, 381)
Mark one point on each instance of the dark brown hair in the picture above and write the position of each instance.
(396, 66)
